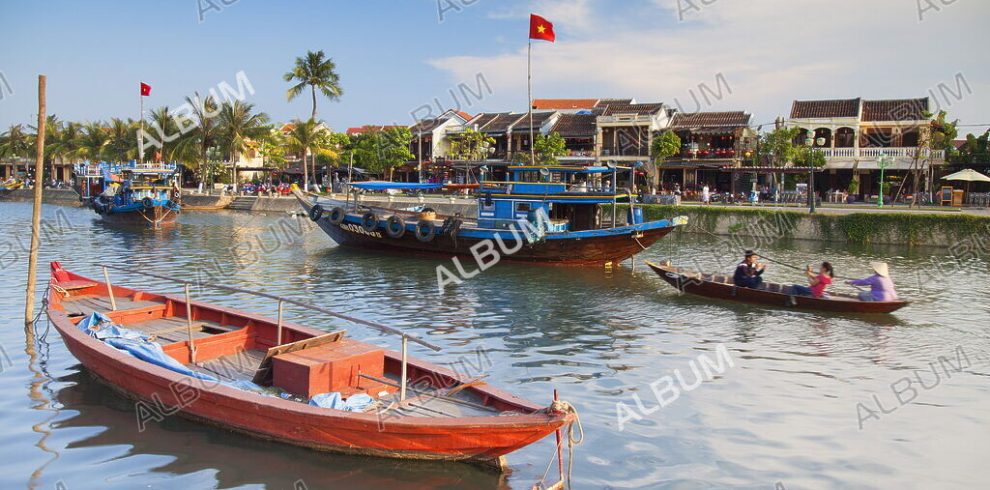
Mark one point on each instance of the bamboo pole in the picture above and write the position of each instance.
(39, 161)
(189, 326)
(106, 279)
(402, 389)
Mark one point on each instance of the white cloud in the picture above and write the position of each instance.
(769, 51)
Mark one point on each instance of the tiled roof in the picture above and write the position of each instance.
(640, 109)
(501, 123)
(466, 116)
(895, 110)
(615, 101)
(426, 126)
(575, 126)
(563, 104)
(480, 120)
(539, 118)
(733, 119)
(820, 109)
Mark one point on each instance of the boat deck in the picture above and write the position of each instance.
(87, 304)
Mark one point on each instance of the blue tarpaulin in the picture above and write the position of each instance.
(380, 185)
(134, 343)
(354, 403)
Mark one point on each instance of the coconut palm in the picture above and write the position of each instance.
(305, 137)
(163, 130)
(93, 141)
(204, 135)
(317, 71)
(123, 139)
(16, 143)
(238, 126)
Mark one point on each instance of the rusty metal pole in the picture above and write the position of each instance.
(39, 162)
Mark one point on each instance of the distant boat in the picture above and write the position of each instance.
(285, 382)
(720, 286)
(556, 210)
(144, 194)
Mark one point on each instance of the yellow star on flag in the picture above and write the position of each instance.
(541, 28)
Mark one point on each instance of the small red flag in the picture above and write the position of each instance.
(540, 28)
(145, 89)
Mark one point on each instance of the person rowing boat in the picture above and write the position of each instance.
(881, 286)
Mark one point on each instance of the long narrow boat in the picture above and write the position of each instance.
(549, 214)
(772, 294)
(261, 377)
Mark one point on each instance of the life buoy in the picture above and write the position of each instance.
(425, 231)
(337, 215)
(395, 227)
(316, 212)
(369, 221)
(148, 202)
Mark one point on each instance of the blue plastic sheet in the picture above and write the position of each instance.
(355, 403)
(135, 343)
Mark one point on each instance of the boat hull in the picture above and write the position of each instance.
(153, 217)
(162, 392)
(693, 283)
(578, 249)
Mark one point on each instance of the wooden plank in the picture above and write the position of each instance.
(264, 374)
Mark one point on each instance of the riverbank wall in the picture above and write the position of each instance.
(911, 228)
(62, 197)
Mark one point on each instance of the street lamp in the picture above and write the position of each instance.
(883, 161)
(810, 142)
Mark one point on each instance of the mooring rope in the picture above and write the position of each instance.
(566, 407)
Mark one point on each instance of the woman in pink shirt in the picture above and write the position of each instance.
(816, 282)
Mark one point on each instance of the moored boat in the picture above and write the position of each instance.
(144, 194)
(285, 382)
(558, 212)
(720, 286)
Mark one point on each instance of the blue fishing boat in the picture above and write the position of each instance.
(145, 194)
(553, 214)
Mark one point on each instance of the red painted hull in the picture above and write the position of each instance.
(702, 285)
(481, 439)
(152, 218)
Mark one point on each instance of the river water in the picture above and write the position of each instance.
(789, 399)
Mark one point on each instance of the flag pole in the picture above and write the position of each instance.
(141, 132)
(529, 87)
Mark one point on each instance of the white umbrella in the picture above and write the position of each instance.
(967, 175)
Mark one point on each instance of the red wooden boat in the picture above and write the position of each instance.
(773, 294)
(446, 415)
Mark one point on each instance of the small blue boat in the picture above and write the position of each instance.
(145, 194)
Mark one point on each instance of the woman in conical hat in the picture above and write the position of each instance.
(881, 287)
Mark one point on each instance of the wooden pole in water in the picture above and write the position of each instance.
(39, 161)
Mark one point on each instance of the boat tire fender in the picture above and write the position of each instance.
(425, 231)
(369, 221)
(148, 202)
(316, 212)
(337, 215)
(395, 227)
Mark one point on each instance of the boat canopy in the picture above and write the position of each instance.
(376, 185)
(566, 169)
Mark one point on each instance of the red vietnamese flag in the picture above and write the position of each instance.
(540, 28)
(145, 89)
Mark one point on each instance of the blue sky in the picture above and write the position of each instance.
(395, 56)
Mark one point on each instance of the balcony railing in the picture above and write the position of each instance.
(908, 152)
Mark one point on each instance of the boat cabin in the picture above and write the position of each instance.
(570, 196)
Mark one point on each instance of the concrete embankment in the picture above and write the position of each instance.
(912, 228)
(64, 197)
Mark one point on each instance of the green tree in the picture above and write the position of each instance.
(162, 127)
(317, 71)
(122, 136)
(470, 145)
(92, 141)
(381, 150)
(194, 146)
(238, 125)
(16, 143)
(664, 146)
(305, 137)
(548, 148)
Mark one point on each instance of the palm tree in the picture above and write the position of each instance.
(162, 123)
(205, 135)
(16, 143)
(123, 139)
(93, 141)
(238, 126)
(305, 137)
(317, 71)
